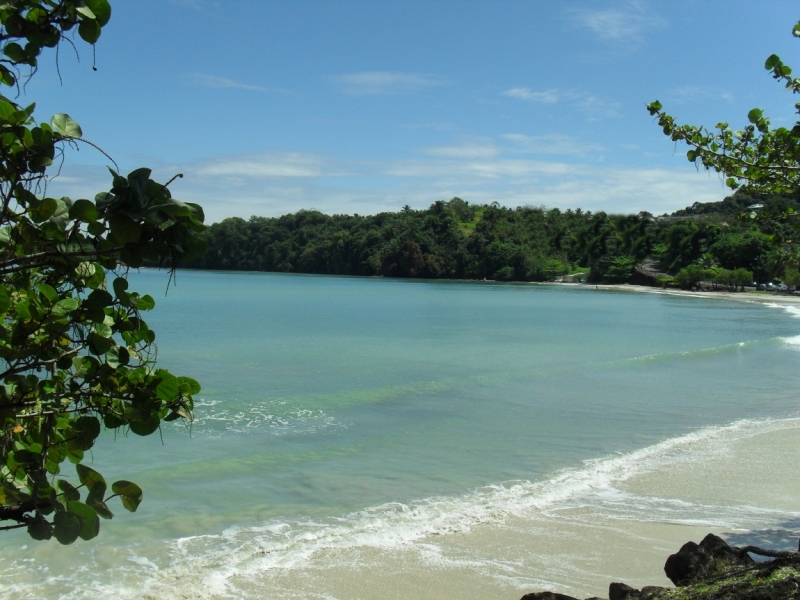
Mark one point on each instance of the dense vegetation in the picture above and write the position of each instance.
(458, 240)
(76, 355)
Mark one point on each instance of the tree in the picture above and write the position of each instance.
(757, 159)
(75, 352)
(620, 269)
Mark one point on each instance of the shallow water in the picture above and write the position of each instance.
(399, 439)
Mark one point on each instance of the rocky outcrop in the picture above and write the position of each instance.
(713, 570)
(696, 562)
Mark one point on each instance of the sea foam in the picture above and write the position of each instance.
(246, 552)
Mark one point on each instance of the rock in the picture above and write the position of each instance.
(649, 591)
(620, 591)
(546, 596)
(695, 562)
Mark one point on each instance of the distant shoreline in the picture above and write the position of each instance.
(765, 298)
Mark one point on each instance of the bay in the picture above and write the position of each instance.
(372, 414)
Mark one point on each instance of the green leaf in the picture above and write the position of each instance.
(189, 384)
(146, 302)
(67, 527)
(772, 61)
(5, 300)
(48, 292)
(85, 11)
(99, 344)
(74, 454)
(124, 229)
(40, 529)
(101, 10)
(90, 524)
(15, 52)
(70, 493)
(120, 285)
(754, 115)
(65, 306)
(129, 492)
(116, 356)
(44, 210)
(98, 299)
(145, 427)
(167, 390)
(89, 477)
(65, 125)
(84, 210)
(10, 495)
(89, 31)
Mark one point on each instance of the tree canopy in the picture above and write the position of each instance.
(459, 240)
(757, 158)
(76, 355)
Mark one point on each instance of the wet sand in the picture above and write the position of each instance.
(744, 488)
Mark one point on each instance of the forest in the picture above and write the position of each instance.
(458, 240)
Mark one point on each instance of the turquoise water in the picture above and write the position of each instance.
(327, 400)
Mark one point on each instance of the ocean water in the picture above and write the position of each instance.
(364, 438)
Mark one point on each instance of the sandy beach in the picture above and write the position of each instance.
(618, 532)
(750, 296)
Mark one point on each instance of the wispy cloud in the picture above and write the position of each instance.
(197, 4)
(625, 24)
(547, 96)
(694, 93)
(375, 83)
(470, 149)
(598, 108)
(212, 81)
(593, 106)
(477, 169)
(551, 144)
(268, 166)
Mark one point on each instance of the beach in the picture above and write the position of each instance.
(363, 438)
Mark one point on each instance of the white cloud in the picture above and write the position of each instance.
(594, 107)
(268, 166)
(547, 96)
(598, 108)
(616, 24)
(277, 183)
(374, 83)
(694, 93)
(551, 144)
(212, 81)
(477, 149)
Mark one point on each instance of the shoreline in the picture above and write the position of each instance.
(753, 297)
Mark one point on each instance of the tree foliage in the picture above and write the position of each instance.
(456, 239)
(76, 355)
(757, 158)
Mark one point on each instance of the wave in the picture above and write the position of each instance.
(236, 562)
(247, 552)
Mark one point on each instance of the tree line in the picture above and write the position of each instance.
(459, 240)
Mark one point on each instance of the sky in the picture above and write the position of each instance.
(351, 106)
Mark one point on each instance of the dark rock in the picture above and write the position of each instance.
(620, 591)
(649, 591)
(546, 596)
(711, 557)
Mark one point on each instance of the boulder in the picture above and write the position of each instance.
(621, 591)
(649, 591)
(711, 557)
(546, 596)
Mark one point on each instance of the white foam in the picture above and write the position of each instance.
(789, 308)
(248, 552)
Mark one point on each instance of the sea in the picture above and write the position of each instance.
(363, 438)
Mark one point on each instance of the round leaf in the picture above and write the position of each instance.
(65, 125)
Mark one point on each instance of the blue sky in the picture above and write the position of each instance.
(268, 107)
